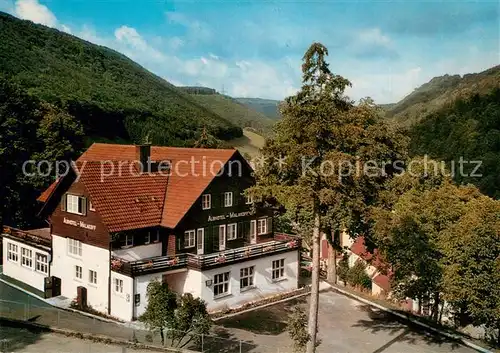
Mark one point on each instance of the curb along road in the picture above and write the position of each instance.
(455, 337)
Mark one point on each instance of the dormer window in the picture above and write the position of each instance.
(91, 207)
(74, 204)
(228, 199)
(206, 201)
(249, 199)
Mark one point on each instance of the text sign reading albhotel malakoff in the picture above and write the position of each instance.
(230, 215)
(79, 224)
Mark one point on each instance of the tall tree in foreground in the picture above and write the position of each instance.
(471, 275)
(309, 163)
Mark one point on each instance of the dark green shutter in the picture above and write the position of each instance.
(269, 225)
(240, 230)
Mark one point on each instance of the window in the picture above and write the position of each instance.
(249, 200)
(127, 241)
(206, 201)
(12, 252)
(278, 269)
(246, 277)
(41, 263)
(228, 199)
(200, 235)
(26, 255)
(262, 226)
(157, 236)
(147, 238)
(231, 231)
(118, 285)
(189, 239)
(92, 277)
(75, 247)
(91, 207)
(75, 204)
(78, 272)
(221, 284)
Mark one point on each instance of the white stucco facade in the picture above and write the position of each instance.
(264, 285)
(122, 296)
(92, 258)
(26, 272)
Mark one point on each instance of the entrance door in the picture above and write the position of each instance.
(222, 237)
(200, 239)
(253, 232)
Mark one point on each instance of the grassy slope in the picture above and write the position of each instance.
(249, 143)
(59, 68)
(233, 111)
(440, 92)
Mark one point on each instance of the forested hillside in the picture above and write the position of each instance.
(441, 92)
(469, 129)
(112, 96)
(230, 109)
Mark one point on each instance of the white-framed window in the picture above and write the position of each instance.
(41, 263)
(78, 272)
(246, 277)
(75, 204)
(127, 241)
(189, 239)
(228, 199)
(262, 226)
(147, 238)
(278, 269)
(92, 277)
(91, 207)
(206, 201)
(12, 252)
(74, 247)
(157, 236)
(118, 285)
(249, 199)
(221, 284)
(232, 230)
(26, 257)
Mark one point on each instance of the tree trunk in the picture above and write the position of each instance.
(162, 336)
(331, 275)
(313, 308)
(435, 307)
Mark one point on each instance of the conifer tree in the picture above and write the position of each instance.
(308, 165)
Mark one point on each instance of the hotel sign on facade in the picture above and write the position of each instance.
(79, 224)
(230, 215)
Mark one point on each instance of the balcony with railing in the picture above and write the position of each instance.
(280, 243)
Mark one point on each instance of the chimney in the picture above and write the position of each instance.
(143, 155)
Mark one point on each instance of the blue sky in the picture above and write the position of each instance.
(254, 48)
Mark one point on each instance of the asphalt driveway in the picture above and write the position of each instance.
(345, 325)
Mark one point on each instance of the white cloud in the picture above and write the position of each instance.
(34, 11)
(374, 36)
(134, 44)
(197, 30)
(66, 29)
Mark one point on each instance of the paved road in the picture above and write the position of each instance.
(29, 341)
(345, 325)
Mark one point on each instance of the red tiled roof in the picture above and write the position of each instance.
(46, 194)
(359, 248)
(383, 281)
(175, 194)
(125, 200)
